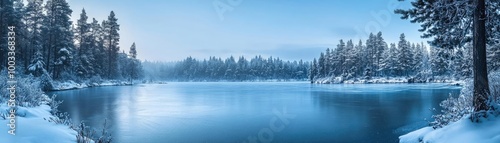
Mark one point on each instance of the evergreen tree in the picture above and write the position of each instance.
(84, 58)
(361, 58)
(313, 70)
(321, 65)
(379, 47)
(452, 27)
(111, 41)
(58, 36)
(7, 17)
(350, 59)
(97, 48)
(370, 52)
(133, 52)
(439, 61)
(404, 57)
(34, 20)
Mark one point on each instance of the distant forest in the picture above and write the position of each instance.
(230, 69)
(376, 58)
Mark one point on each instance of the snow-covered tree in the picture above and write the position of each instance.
(97, 48)
(58, 37)
(462, 62)
(313, 70)
(7, 18)
(370, 52)
(389, 64)
(34, 20)
(322, 68)
(439, 61)
(84, 42)
(452, 24)
(404, 57)
(379, 47)
(111, 41)
(350, 59)
(418, 58)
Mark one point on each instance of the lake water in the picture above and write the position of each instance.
(256, 111)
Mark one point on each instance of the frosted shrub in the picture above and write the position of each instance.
(88, 135)
(95, 79)
(28, 92)
(456, 108)
(46, 82)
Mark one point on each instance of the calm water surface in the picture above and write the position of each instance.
(262, 111)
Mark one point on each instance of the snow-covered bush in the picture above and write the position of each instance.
(456, 108)
(27, 91)
(95, 79)
(46, 82)
(54, 104)
(88, 135)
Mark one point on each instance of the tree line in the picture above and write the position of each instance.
(48, 43)
(229, 69)
(376, 58)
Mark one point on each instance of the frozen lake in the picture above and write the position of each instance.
(262, 111)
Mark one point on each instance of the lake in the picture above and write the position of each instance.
(218, 112)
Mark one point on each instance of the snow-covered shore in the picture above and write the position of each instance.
(462, 131)
(68, 85)
(32, 126)
(384, 80)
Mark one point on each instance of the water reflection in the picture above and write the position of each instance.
(232, 112)
(377, 116)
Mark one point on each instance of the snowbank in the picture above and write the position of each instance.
(464, 131)
(31, 127)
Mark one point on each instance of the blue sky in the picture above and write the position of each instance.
(171, 30)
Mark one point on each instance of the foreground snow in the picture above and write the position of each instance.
(465, 131)
(33, 128)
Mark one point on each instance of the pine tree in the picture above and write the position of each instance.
(111, 41)
(58, 37)
(439, 61)
(321, 65)
(313, 71)
(23, 51)
(379, 47)
(389, 65)
(405, 56)
(84, 55)
(370, 52)
(7, 17)
(361, 58)
(34, 20)
(339, 56)
(418, 57)
(133, 52)
(350, 59)
(97, 44)
(452, 27)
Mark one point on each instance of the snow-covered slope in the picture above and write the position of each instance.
(462, 131)
(33, 128)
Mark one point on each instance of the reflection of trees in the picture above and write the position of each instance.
(376, 115)
(91, 105)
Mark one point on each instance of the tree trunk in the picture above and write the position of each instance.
(481, 87)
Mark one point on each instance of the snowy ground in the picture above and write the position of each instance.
(462, 131)
(33, 128)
